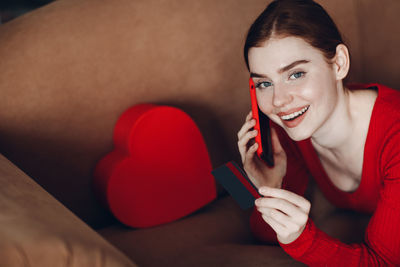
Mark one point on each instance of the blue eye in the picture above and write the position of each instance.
(262, 85)
(297, 75)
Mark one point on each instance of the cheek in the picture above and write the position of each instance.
(264, 100)
(320, 90)
(311, 93)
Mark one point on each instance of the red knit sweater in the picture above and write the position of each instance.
(378, 194)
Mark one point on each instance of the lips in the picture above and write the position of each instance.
(293, 117)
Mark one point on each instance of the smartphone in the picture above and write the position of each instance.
(263, 127)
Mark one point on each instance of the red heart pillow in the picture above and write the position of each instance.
(159, 170)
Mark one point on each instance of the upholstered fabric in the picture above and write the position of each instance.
(217, 235)
(36, 230)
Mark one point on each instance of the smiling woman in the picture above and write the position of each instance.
(345, 136)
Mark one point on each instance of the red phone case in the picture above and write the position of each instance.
(254, 109)
(263, 138)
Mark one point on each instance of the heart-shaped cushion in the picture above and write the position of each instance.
(159, 170)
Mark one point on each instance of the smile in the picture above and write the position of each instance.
(295, 115)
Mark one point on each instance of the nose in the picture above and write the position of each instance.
(281, 96)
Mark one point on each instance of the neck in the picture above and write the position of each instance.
(335, 134)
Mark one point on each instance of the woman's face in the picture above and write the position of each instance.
(296, 87)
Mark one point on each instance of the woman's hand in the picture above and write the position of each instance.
(259, 173)
(285, 211)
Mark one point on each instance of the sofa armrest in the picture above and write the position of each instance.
(37, 230)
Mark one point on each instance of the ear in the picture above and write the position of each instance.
(341, 62)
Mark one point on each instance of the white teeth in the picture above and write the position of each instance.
(294, 114)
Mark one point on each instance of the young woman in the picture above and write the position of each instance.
(346, 137)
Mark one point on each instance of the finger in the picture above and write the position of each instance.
(292, 224)
(276, 144)
(244, 140)
(246, 128)
(250, 153)
(243, 145)
(291, 197)
(284, 207)
(277, 215)
(276, 226)
(249, 116)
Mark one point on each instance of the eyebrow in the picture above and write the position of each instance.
(281, 70)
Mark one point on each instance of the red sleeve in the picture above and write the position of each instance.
(382, 238)
(296, 180)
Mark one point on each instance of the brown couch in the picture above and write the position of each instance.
(69, 69)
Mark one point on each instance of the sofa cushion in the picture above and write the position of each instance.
(36, 230)
(217, 235)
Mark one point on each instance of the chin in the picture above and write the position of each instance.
(297, 135)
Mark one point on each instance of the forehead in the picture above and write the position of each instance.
(276, 53)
